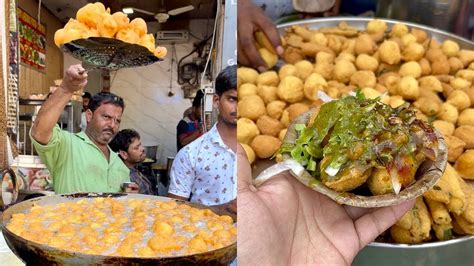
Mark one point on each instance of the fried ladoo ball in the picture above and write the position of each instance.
(450, 48)
(430, 83)
(413, 52)
(408, 88)
(466, 134)
(466, 56)
(265, 146)
(376, 25)
(411, 68)
(139, 26)
(251, 107)
(428, 106)
(247, 75)
(319, 38)
(107, 26)
(75, 24)
(370, 93)
(269, 126)
(389, 52)
(324, 69)
(296, 110)
(267, 93)
(324, 58)
(464, 165)
(380, 182)
(128, 35)
(59, 37)
(275, 109)
(455, 65)
(425, 66)
(346, 56)
(449, 113)
(363, 79)
(121, 19)
(440, 66)
(246, 89)
(466, 74)
(304, 68)
(398, 30)
(344, 70)
(287, 70)
(364, 45)
(420, 35)
(459, 99)
(446, 128)
(366, 62)
(459, 83)
(268, 78)
(293, 55)
(160, 51)
(73, 30)
(314, 83)
(466, 117)
(290, 89)
(433, 54)
(246, 130)
(148, 41)
(455, 147)
(91, 14)
(407, 39)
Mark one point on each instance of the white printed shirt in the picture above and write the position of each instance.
(205, 170)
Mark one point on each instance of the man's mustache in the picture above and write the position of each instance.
(108, 130)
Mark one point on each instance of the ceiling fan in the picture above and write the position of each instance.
(162, 16)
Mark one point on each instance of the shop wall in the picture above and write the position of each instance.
(149, 109)
(34, 81)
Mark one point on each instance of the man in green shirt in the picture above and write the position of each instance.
(81, 162)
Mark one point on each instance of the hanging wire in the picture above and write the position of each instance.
(207, 62)
(39, 13)
(173, 59)
(212, 42)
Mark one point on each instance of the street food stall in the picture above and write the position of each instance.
(156, 56)
(293, 117)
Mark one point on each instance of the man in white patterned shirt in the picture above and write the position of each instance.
(205, 170)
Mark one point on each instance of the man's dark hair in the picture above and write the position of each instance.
(105, 98)
(226, 80)
(198, 98)
(123, 139)
(86, 95)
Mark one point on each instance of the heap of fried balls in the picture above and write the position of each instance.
(398, 65)
(93, 20)
(128, 228)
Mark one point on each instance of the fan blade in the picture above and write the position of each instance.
(143, 11)
(177, 11)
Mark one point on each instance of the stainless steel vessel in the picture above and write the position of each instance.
(452, 16)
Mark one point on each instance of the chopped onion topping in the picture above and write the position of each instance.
(395, 183)
(332, 171)
(324, 97)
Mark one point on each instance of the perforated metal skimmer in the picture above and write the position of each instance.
(108, 53)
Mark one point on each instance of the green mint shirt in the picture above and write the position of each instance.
(78, 165)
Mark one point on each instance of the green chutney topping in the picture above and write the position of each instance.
(358, 133)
